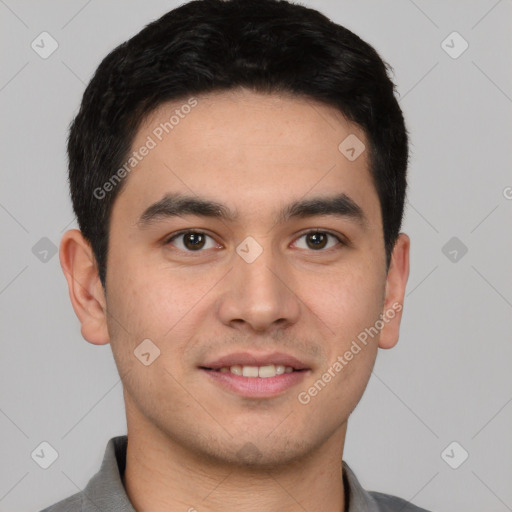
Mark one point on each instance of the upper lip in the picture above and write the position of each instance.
(253, 359)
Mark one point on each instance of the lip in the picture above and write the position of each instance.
(256, 387)
(255, 359)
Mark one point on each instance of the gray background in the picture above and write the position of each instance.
(449, 377)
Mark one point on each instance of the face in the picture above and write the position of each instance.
(263, 278)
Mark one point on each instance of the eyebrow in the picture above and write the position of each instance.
(177, 205)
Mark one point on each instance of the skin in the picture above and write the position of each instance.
(254, 153)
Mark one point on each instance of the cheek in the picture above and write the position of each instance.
(348, 301)
(142, 291)
(155, 302)
(350, 307)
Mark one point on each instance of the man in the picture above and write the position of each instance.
(238, 172)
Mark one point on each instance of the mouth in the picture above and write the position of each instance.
(263, 372)
(258, 382)
(255, 374)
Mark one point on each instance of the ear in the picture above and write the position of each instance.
(85, 290)
(396, 281)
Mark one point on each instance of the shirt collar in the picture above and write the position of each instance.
(105, 490)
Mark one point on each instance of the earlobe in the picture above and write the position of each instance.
(85, 290)
(396, 283)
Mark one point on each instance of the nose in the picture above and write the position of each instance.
(259, 295)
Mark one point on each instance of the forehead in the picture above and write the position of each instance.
(250, 151)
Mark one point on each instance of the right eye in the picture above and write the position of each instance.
(191, 241)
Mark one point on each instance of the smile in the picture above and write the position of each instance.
(264, 372)
(256, 381)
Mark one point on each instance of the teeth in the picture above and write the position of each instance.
(269, 370)
(250, 371)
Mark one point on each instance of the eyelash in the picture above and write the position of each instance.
(341, 242)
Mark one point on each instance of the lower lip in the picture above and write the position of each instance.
(257, 387)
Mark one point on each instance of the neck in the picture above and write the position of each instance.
(162, 475)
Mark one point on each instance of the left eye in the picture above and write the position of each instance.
(194, 241)
(319, 240)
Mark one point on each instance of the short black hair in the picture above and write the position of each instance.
(267, 46)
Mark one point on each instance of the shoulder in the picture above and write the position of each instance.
(389, 503)
(71, 504)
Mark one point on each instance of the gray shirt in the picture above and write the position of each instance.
(105, 491)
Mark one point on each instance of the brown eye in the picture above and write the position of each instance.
(318, 240)
(191, 241)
